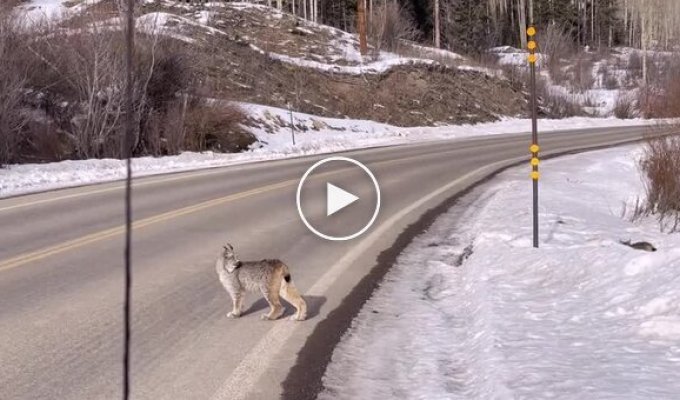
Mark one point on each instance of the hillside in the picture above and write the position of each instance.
(255, 54)
(227, 76)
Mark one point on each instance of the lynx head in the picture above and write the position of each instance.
(229, 257)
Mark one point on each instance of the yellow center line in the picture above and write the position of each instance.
(135, 185)
(36, 255)
(108, 233)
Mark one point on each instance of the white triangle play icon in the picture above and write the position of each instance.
(337, 199)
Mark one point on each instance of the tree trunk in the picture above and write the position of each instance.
(437, 33)
(625, 20)
(592, 21)
(361, 23)
(643, 38)
(522, 10)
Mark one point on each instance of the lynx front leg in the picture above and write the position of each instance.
(237, 299)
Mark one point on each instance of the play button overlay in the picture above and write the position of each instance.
(337, 199)
(352, 198)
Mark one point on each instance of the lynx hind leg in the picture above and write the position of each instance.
(237, 299)
(276, 310)
(290, 293)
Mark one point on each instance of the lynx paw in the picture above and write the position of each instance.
(232, 314)
(298, 318)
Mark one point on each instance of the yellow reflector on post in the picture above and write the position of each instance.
(534, 161)
(531, 45)
(532, 58)
(534, 148)
(531, 31)
(534, 175)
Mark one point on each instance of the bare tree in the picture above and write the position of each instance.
(12, 81)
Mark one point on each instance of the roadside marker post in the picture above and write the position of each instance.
(534, 148)
(292, 124)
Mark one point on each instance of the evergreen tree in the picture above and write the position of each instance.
(466, 26)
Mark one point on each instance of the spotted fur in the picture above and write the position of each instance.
(269, 277)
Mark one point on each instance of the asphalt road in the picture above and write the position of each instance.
(61, 269)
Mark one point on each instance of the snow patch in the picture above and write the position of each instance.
(313, 135)
(583, 316)
(34, 11)
(667, 328)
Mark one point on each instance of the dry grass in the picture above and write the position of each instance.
(660, 165)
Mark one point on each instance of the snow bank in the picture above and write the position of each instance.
(472, 311)
(313, 135)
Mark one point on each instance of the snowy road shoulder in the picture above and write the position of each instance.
(472, 311)
(314, 135)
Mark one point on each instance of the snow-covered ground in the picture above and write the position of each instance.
(613, 75)
(313, 135)
(472, 311)
(33, 11)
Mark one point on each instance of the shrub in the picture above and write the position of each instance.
(583, 73)
(660, 165)
(218, 128)
(556, 44)
(390, 25)
(170, 76)
(517, 75)
(557, 105)
(635, 64)
(608, 80)
(661, 99)
(624, 107)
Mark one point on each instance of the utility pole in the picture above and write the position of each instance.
(534, 148)
(126, 144)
